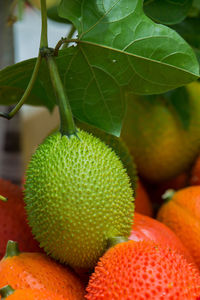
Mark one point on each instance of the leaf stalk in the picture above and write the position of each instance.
(27, 92)
(64, 41)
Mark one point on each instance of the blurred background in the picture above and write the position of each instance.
(20, 136)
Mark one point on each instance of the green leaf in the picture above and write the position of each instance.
(103, 108)
(119, 50)
(14, 80)
(196, 4)
(179, 99)
(52, 13)
(189, 30)
(95, 96)
(167, 11)
(116, 37)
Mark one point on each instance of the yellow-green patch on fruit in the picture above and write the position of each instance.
(161, 147)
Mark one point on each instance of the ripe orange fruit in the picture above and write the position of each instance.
(142, 202)
(149, 229)
(8, 293)
(13, 219)
(195, 173)
(143, 270)
(182, 214)
(38, 271)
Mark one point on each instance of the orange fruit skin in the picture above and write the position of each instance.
(142, 201)
(143, 270)
(182, 214)
(13, 220)
(149, 229)
(195, 173)
(29, 294)
(38, 271)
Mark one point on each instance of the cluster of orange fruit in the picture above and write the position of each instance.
(161, 260)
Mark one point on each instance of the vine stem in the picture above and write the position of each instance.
(43, 43)
(67, 125)
(44, 39)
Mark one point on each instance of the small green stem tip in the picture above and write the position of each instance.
(6, 291)
(168, 195)
(2, 198)
(12, 249)
(113, 241)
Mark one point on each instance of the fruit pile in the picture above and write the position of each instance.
(85, 226)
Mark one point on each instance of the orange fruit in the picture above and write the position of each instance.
(8, 293)
(195, 173)
(142, 201)
(13, 219)
(38, 271)
(182, 214)
(149, 229)
(143, 270)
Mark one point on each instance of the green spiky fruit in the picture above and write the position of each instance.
(118, 146)
(77, 195)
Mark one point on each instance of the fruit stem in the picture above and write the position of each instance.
(67, 125)
(168, 195)
(12, 249)
(6, 291)
(2, 198)
(43, 39)
(113, 241)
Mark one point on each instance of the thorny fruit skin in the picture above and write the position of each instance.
(143, 270)
(77, 195)
(149, 229)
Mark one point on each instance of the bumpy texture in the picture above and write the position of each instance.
(118, 146)
(149, 229)
(38, 271)
(182, 215)
(14, 225)
(160, 145)
(143, 270)
(77, 195)
(29, 294)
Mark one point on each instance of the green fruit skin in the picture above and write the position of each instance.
(155, 136)
(77, 195)
(118, 146)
